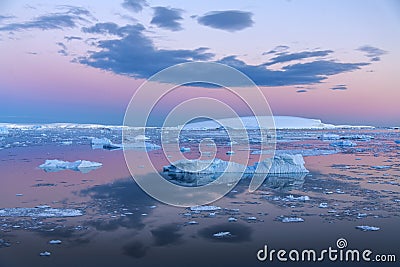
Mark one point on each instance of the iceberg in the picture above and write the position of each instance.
(366, 228)
(284, 163)
(55, 165)
(292, 219)
(55, 242)
(330, 137)
(345, 143)
(205, 208)
(222, 234)
(45, 254)
(40, 211)
(281, 122)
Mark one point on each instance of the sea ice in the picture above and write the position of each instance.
(367, 228)
(345, 143)
(330, 137)
(44, 211)
(3, 130)
(55, 242)
(45, 254)
(55, 165)
(292, 219)
(205, 208)
(222, 234)
(323, 205)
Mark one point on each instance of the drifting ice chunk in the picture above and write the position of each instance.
(45, 254)
(39, 212)
(330, 137)
(55, 242)
(299, 198)
(222, 234)
(55, 165)
(205, 208)
(100, 142)
(381, 167)
(367, 228)
(292, 219)
(345, 143)
(323, 205)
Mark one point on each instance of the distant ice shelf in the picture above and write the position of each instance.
(55, 165)
(281, 122)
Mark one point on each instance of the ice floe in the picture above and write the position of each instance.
(45, 254)
(344, 143)
(39, 211)
(222, 234)
(292, 219)
(366, 228)
(55, 165)
(55, 242)
(205, 208)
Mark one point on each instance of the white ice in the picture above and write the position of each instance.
(55, 165)
(284, 163)
(205, 208)
(367, 228)
(39, 212)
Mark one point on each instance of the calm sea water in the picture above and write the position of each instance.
(123, 226)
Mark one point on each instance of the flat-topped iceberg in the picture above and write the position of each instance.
(55, 165)
(40, 211)
(281, 122)
(345, 143)
(284, 163)
(138, 144)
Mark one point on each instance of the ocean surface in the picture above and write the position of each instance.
(121, 225)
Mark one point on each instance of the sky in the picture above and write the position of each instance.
(74, 61)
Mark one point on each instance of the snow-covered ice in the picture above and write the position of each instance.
(55, 165)
(39, 211)
(55, 242)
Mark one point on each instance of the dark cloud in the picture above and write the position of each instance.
(373, 53)
(63, 49)
(67, 19)
(339, 87)
(167, 18)
(134, 5)
(134, 54)
(230, 20)
(278, 49)
(285, 57)
(295, 74)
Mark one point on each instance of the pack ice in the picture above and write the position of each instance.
(40, 211)
(55, 165)
(284, 163)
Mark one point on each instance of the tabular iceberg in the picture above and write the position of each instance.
(40, 211)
